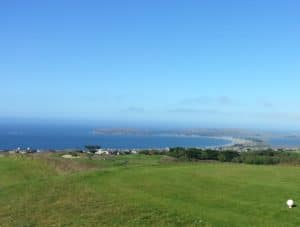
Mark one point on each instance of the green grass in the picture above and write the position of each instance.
(137, 190)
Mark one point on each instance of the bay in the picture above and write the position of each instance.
(61, 137)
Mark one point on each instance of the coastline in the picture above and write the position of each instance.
(232, 141)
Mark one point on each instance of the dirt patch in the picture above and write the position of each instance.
(69, 156)
(168, 159)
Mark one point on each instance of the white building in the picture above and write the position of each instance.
(101, 151)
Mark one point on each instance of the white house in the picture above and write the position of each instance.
(101, 151)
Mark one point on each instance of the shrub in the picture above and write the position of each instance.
(227, 156)
(260, 157)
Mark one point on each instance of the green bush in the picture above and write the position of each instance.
(227, 156)
(260, 157)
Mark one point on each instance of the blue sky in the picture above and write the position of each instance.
(189, 63)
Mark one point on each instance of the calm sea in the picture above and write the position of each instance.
(58, 137)
(293, 142)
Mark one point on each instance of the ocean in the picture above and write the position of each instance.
(288, 142)
(58, 136)
(64, 137)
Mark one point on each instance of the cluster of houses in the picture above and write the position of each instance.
(112, 152)
(22, 150)
(101, 151)
(94, 150)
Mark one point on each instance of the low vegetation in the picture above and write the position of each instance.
(251, 157)
(145, 190)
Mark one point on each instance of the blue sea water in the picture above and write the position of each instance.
(290, 142)
(62, 137)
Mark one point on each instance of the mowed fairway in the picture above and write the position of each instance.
(139, 190)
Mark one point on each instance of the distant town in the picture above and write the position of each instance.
(239, 140)
(237, 145)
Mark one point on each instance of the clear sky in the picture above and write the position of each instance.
(201, 63)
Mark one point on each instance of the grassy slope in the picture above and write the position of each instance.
(139, 190)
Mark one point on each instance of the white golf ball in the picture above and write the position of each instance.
(290, 203)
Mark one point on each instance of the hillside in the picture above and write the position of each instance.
(138, 190)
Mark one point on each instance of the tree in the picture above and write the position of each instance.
(92, 148)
